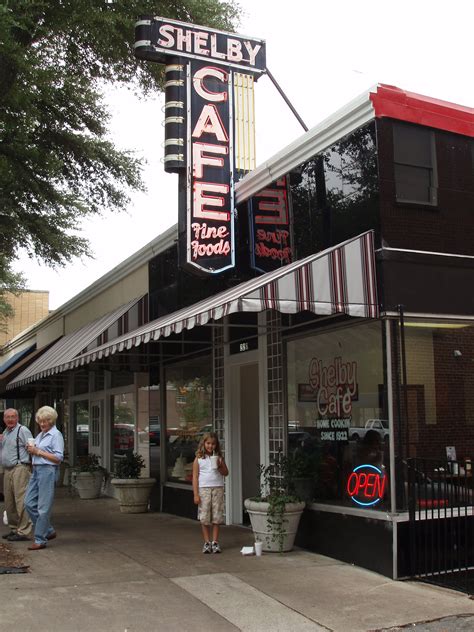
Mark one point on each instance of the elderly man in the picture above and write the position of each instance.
(16, 475)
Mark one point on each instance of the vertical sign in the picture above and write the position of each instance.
(270, 227)
(209, 98)
(210, 202)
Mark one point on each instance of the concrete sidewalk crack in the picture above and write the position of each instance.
(246, 606)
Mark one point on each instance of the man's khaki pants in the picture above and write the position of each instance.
(15, 482)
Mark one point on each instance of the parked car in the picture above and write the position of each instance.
(154, 434)
(379, 426)
(124, 438)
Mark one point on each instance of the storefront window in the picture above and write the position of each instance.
(337, 417)
(433, 410)
(123, 424)
(81, 420)
(143, 420)
(188, 414)
(154, 423)
(26, 411)
(439, 391)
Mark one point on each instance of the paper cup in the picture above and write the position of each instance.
(214, 462)
(258, 548)
(31, 442)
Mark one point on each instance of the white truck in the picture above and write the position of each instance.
(380, 426)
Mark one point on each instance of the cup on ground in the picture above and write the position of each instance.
(258, 548)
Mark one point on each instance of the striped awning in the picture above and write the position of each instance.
(21, 365)
(14, 359)
(60, 357)
(339, 280)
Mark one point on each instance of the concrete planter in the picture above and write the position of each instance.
(133, 493)
(264, 532)
(88, 484)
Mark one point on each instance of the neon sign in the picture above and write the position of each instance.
(270, 227)
(366, 485)
(210, 238)
(156, 38)
(335, 386)
(209, 129)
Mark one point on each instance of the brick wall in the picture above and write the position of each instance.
(446, 227)
(29, 307)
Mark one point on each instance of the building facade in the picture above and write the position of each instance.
(357, 356)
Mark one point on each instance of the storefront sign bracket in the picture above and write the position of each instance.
(287, 100)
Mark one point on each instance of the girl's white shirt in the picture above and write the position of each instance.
(207, 476)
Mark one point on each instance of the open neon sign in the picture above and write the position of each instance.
(366, 485)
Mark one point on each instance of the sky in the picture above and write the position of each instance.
(323, 55)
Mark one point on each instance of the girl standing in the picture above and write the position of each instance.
(209, 469)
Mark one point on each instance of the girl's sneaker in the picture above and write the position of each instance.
(207, 548)
(215, 547)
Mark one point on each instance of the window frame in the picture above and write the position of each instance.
(416, 165)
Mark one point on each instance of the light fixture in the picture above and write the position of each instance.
(434, 325)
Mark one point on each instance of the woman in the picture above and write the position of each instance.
(47, 453)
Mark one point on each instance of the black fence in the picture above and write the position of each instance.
(440, 500)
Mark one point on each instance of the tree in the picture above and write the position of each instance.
(10, 283)
(57, 165)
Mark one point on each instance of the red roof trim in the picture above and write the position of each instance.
(416, 108)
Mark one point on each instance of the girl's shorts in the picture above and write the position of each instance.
(211, 508)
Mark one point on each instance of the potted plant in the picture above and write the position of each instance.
(133, 492)
(276, 512)
(88, 476)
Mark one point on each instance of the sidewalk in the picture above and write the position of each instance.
(115, 572)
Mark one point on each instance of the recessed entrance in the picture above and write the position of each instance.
(249, 431)
(245, 437)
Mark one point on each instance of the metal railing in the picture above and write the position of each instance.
(440, 499)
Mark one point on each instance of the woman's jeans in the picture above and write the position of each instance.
(39, 500)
